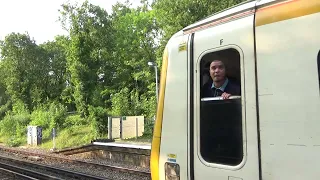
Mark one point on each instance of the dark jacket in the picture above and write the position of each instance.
(232, 88)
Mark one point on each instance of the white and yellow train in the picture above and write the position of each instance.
(271, 131)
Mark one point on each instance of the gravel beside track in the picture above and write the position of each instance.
(4, 175)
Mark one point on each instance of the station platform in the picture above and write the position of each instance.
(109, 146)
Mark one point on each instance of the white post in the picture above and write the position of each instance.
(157, 90)
(53, 138)
(150, 63)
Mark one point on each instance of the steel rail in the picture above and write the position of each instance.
(39, 175)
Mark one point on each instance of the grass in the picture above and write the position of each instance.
(2, 140)
(71, 137)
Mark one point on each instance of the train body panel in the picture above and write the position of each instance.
(175, 108)
(287, 53)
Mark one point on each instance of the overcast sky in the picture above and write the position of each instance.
(39, 17)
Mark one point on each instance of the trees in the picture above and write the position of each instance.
(24, 69)
(135, 45)
(88, 53)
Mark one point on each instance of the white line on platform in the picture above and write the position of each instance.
(123, 145)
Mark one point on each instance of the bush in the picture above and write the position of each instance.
(74, 120)
(13, 128)
(58, 113)
(40, 117)
(49, 116)
(15, 141)
(99, 120)
(5, 108)
(148, 128)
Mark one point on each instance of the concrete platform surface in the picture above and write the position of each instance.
(124, 145)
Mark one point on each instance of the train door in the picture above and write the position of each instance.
(224, 135)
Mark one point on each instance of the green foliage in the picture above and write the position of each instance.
(120, 103)
(48, 116)
(19, 108)
(55, 52)
(148, 126)
(90, 45)
(74, 120)
(99, 121)
(13, 127)
(71, 137)
(57, 113)
(4, 108)
(25, 70)
(40, 117)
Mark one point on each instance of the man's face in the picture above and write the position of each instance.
(217, 71)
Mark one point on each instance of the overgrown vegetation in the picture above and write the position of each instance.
(100, 69)
(70, 137)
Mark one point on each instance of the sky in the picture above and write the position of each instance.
(40, 17)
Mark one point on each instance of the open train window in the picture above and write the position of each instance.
(221, 119)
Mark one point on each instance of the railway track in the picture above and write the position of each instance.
(6, 173)
(35, 171)
(64, 161)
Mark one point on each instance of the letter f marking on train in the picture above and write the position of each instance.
(221, 41)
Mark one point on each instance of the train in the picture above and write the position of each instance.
(268, 126)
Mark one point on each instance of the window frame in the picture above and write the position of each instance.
(318, 63)
(198, 98)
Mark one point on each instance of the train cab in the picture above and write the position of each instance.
(266, 127)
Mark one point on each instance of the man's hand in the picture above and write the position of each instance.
(225, 95)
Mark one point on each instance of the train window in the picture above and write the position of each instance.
(220, 118)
